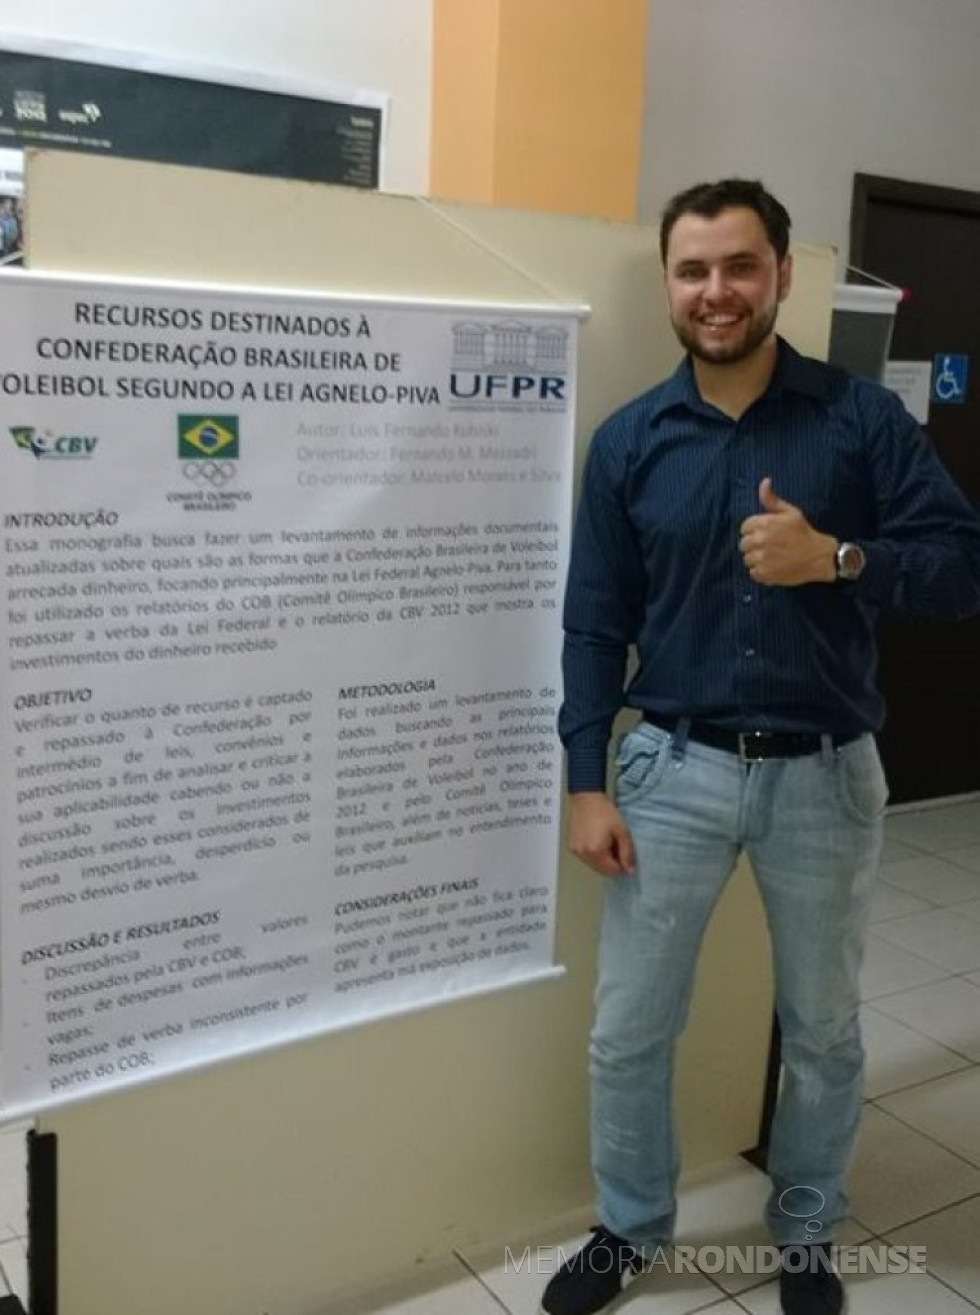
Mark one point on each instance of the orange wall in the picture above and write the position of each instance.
(538, 103)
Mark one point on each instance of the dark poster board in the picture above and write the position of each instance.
(73, 105)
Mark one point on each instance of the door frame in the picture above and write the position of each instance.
(876, 187)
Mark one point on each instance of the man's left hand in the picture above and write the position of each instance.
(780, 546)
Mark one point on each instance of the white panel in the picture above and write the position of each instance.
(279, 1183)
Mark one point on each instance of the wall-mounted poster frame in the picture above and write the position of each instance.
(80, 97)
(386, 827)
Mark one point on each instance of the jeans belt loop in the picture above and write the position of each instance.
(827, 751)
(678, 740)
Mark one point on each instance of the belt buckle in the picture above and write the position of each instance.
(745, 742)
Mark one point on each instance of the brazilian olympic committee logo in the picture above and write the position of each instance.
(208, 450)
(207, 446)
(48, 446)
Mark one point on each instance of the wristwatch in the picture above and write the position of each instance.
(850, 561)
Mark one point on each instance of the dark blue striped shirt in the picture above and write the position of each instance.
(655, 558)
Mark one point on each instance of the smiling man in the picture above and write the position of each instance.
(740, 527)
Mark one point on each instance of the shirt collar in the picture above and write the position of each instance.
(793, 374)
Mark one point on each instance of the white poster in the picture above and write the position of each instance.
(912, 381)
(280, 652)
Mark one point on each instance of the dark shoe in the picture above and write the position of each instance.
(807, 1282)
(594, 1276)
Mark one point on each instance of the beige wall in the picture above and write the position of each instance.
(280, 1181)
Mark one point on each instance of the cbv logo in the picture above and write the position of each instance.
(475, 384)
(73, 446)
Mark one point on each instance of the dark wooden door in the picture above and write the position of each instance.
(927, 240)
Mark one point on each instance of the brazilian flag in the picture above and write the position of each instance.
(203, 438)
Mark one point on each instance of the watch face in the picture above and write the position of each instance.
(850, 561)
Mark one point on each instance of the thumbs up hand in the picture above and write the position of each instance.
(780, 547)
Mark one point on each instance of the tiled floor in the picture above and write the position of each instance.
(916, 1177)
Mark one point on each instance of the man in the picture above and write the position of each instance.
(741, 525)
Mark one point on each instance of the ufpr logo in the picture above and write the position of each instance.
(507, 362)
(472, 385)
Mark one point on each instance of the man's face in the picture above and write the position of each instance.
(724, 284)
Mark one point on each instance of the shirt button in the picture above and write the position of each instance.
(750, 652)
(746, 598)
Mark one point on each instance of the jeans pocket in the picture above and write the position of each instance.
(641, 760)
(861, 784)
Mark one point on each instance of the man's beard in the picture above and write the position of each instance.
(757, 332)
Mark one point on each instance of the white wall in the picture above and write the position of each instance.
(377, 45)
(804, 93)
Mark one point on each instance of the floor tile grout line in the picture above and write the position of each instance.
(896, 917)
(955, 1291)
(916, 1028)
(919, 954)
(947, 857)
(921, 1219)
(479, 1278)
(713, 1304)
(886, 995)
(951, 907)
(944, 1045)
(964, 973)
(714, 1282)
(929, 851)
(923, 1082)
(932, 905)
(965, 1159)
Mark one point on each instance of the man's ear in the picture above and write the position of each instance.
(785, 276)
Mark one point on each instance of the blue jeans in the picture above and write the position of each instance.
(811, 827)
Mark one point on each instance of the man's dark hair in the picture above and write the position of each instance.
(709, 199)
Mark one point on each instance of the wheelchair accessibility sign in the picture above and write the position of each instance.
(949, 378)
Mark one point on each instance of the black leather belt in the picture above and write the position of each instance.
(750, 746)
